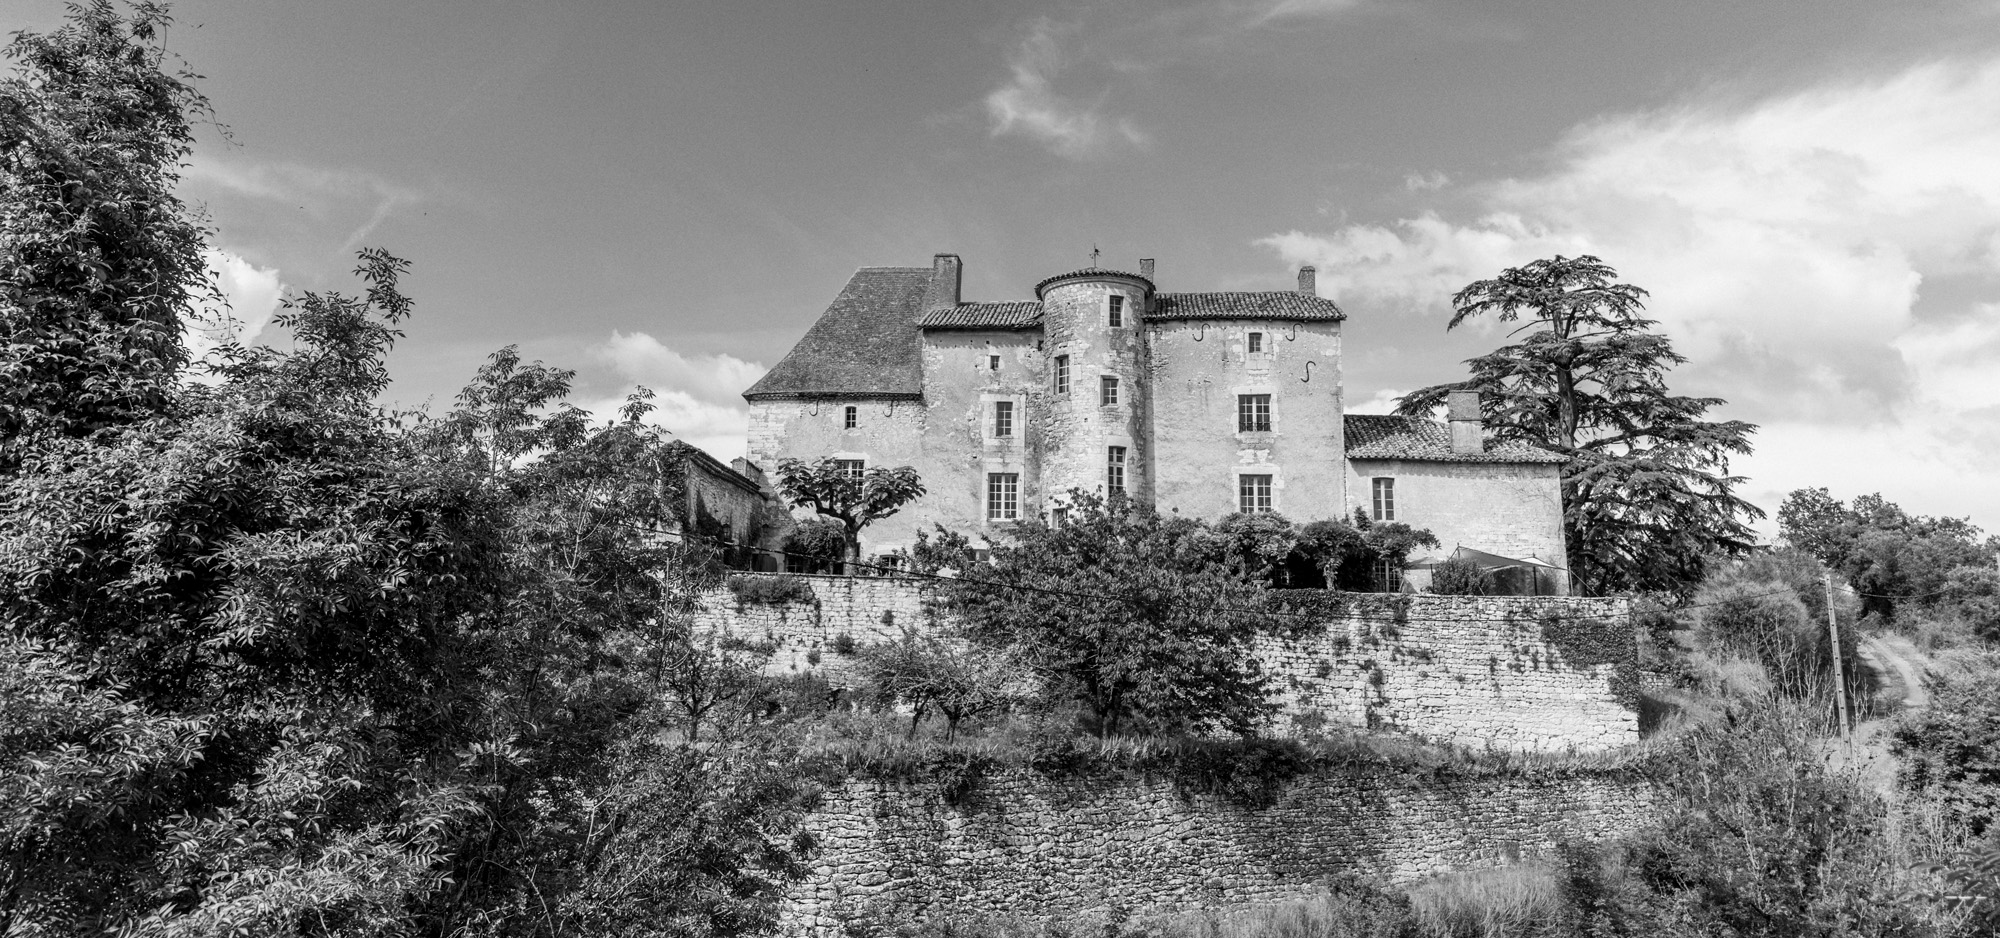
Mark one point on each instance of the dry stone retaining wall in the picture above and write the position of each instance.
(1039, 847)
(1511, 672)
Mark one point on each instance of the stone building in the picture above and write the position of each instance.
(1200, 403)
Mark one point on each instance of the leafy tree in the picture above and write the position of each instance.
(856, 501)
(98, 258)
(937, 550)
(263, 588)
(1257, 543)
(943, 674)
(1130, 614)
(1898, 562)
(1647, 494)
(1338, 551)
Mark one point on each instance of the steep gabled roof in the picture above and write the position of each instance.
(1375, 436)
(1268, 305)
(866, 344)
(1025, 314)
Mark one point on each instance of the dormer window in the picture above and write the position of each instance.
(1117, 311)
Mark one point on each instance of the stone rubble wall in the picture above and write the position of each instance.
(805, 636)
(1041, 848)
(1508, 672)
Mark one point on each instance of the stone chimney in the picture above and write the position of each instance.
(945, 277)
(1146, 268)
(1468, 435)
(1309, 280)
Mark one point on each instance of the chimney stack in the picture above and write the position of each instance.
(1308, 280)
(945, 277)
(1146, 268)
(1468, 434)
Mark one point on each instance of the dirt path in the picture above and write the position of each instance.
(1895, 670)
(1901, 688)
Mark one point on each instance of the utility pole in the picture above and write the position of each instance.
(1839, 670)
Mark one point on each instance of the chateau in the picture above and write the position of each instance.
(1197, 403)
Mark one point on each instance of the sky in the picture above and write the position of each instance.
(668, 194)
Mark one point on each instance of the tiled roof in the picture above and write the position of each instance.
(1090, 272)
(1269, 305)
(1015, 315)
(866, 344)
(1373, 436)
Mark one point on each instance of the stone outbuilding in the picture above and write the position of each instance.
(1200, 403)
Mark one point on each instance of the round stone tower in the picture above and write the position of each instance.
(1094, 340)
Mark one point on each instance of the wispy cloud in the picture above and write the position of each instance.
(1063, 77)
(1789, 244)
(1028, 104)
(322, 192)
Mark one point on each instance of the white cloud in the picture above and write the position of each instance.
(1787, 244)
(252, 295)
(699, 397)
(1028, 104)
(1423, 182)
(1383, 401)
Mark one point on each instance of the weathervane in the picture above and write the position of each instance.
(1093, 257)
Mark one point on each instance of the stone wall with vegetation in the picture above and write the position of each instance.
(1026, 845)
(812, 623)
(1512, 672)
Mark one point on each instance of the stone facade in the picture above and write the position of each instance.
(1516, 673)
(1200, 403)
(1510, 509)
(1036, 847)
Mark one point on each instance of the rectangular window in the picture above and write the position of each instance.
(992, 363)
(1253, 413)
(1253, 493)
(1256, 343)
(1388, 577)
(1117, 310)
(1003, 418)
(851, 468)
(1003, 496)
(1108, 391)
(1062, 375)
(1058, 517)
(1385, 499)
(850, 415)
(1114, 471)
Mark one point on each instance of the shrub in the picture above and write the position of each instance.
(1952, 750)
(843, 644)
(1458, 577)
(771, 590)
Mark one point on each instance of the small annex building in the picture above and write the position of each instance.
(1200, 403)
